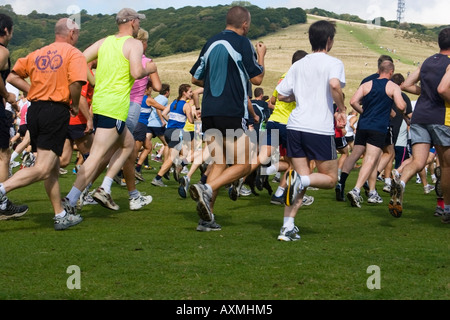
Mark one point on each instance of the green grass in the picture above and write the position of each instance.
(155, 253)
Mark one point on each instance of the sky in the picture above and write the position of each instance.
(434, 12)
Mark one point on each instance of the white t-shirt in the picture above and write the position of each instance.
(308, 79)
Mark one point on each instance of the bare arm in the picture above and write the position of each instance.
(338, 98)
(444, 86)
(75, 93)
(261, 51)
(410, 84)
(356, 100)
(152, 102)
(198, 83)
(15, 80)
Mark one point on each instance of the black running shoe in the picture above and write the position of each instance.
(12, 211)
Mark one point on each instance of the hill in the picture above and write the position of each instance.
(357, 45)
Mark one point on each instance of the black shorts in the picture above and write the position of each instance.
(140, 132)
(341, 143)
(48, 123)
(22, 130)
(156, 131)
(4, 133)
(375, 138)
(105, 122)
(174, 138)
(222, 124)
(76, 132)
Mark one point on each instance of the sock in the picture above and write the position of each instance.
(288, 223)
(267, 171)
(133, 194)
(403, 184)
(158, 177)
(358, 191)
(2, 190)
(13, 156)
(343, 179)
(138, 167)
(279, 192)
(305, 181)
(106, 184)
(85, 156)
(440, 202)
(73, 196)
(61, 214)
(387, 181)
(203, 179)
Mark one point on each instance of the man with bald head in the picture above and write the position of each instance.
(56, 72)
(227, 66)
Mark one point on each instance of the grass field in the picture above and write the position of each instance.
(155, 253)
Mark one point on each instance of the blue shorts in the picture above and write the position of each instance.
(310, 145)
(276, 135)
(108, 123)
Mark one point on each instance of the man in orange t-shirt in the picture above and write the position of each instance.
(57, 72)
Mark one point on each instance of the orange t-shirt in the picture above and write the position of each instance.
(51, 70)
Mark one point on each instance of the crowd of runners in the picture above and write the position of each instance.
(108, 104)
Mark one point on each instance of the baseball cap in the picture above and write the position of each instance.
(128, 14)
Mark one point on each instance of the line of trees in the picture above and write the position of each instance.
(171, 30)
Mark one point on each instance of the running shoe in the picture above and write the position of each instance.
(387, 188)
(438, 212)
(138, 175)
(289, 235)
(294, 187)
(235, 189)
(445, 218)
(355, 198)
(11, 210)
(437, 186)
(206, 226)
(339, 190)
(158, 183)
(201, 194)
(307, 200)
(395, 203)
(277, 200)
(375, 198)
(428, 188)
(69, 220)
(104, 199)
(184, 186)
(140, 201)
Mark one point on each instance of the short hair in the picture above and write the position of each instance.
(299, 54)
(258, 92)
(64, 25)
(164, 89)
(444, 39)
(5, 23)
(320, 32)
(386, 66)
(384, 57)
(398, 78)
(236, 16)
(142, 35)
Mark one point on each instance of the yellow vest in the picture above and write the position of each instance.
(113, 80)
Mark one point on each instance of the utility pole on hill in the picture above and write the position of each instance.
(400, 10)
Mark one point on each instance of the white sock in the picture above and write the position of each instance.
(2, 190)
(387, 181)
(13, 156)
(73, 196)
(106, 184)
(288, 223)
(61, 215)
(279, 192)
(305, 181)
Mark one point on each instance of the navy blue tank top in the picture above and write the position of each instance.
(430, 107)
(376, 108)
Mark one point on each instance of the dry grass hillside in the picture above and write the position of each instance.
(357, 45)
